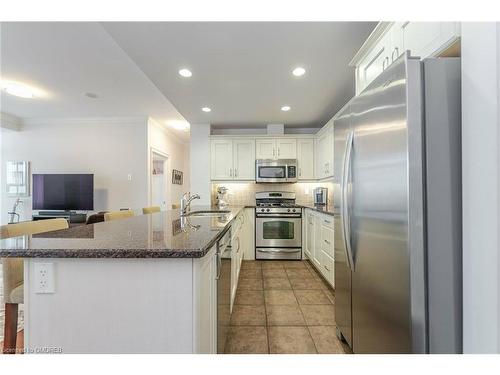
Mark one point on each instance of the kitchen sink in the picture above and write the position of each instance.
(208, 213)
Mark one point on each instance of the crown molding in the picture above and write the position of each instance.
(86, 120)
(377, 33)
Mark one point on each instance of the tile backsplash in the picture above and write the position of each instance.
(243, 193)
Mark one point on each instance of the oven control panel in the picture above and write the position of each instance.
(292, 171)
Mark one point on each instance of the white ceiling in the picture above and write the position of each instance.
(66, 60)
(243, 70)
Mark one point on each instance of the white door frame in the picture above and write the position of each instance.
(166, 174)
(480, 183)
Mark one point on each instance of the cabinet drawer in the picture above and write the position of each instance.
(327, 221)
(327, 268)
(327, 244)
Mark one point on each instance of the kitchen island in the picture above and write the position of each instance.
(146, 284)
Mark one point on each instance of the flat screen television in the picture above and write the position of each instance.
(63, 192)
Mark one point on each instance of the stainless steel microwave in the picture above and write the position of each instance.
(276, 170)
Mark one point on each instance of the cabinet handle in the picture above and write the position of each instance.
(235, 172)
(326, 267)
(386, 60)
(274, 152)
(230, 172)
(327, 221)
(300, 172)
(396, 49)
(278, 151)
(328, 242)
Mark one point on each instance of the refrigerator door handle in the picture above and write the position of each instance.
(346, 230)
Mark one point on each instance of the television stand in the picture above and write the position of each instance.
(71, 216)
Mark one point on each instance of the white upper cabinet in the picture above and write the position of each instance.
(221, 156)
(305, 158)
(244, 159)
(276, 148)
(324, 152)
(232, 159)
(286, 148)
(425, 39)
(265, 148)
(390, 40)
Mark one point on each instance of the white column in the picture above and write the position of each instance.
(480, 166)
(200, 162)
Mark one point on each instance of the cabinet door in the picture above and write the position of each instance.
(319, 164)
(328, 152)
(328, 268)
(426, 39)
(286, 148)
(317, 244)
(305, 159)
(375, 62)
(325, 154)
(310, 236)
(205, 300)
(244, 159)
(265, 148)
(221, 159)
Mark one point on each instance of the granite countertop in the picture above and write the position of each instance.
(327, 210)
(160, 235)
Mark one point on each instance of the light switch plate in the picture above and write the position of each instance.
(44, 278)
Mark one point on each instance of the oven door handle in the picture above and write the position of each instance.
(287, 216)
(278, 251)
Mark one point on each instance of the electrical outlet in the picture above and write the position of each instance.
(129, 177)
(44, 278)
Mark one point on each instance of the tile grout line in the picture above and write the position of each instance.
(304, 317)
(265, 312)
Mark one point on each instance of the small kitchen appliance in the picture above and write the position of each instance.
(276, 170)
(221, 196)
(320, 196)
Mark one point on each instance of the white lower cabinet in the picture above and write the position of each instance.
(319, 243)
(239, 233)
(205, 303)
(248, 229)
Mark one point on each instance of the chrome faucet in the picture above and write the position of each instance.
(13, 214)
(186, 201)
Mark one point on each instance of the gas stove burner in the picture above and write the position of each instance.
(276, 205)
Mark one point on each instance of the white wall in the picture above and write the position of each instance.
(200, 162)
(109, 148)
(163, 140)
(480, 166)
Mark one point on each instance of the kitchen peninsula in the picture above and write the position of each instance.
(145, 284)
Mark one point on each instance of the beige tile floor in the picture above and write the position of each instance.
(283, 307)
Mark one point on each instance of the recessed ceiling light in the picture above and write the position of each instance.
(179, 125)
(285, 108)
(91, 95)
(19, 89)
(185, 73)
(206, 109)
(298, 71)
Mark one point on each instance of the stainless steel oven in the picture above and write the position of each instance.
(278, 226)
(276, 171)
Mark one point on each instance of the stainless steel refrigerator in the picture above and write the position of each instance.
(397, 202)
